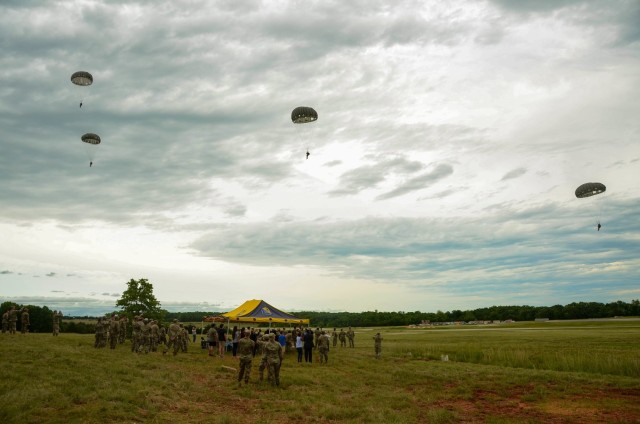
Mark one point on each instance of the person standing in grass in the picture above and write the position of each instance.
(13, 318)
(299, 345)
(323, 347)
(245, 352)
(5, 322)
(56, 323)
(308, 346)
(377, 345)
(212, 339)
(25, 320)
(351, 336)
(155, 335)
(334, 337)
(343, 338)
(174, 334)
(222, 340)
(273, 354)
(122, 330)
(114, 331)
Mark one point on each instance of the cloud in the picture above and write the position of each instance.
(420, 182)
(51, 274)
(514, 173)
(6, 272)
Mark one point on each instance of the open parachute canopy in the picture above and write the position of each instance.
(90, 138)
(303, 115)
(590, 189)
(82, 78)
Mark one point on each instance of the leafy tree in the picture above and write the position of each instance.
(138, 299)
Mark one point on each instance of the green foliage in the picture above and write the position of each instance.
(138, 299)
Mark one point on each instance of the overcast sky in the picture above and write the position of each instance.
(451, 138)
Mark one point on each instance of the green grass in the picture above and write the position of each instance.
(545, 372)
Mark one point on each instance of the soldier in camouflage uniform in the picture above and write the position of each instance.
(5, 322)
(323, 347)
(245, 351)
(174, 334)
(122, 333)
(13, 318)
(260, 350)
(316, 336)
(162, 334)
(25, 321)
(56, 323)
(100, 335)
(155, 334)
(114, 331)
(334, 337)
(273, 354)
(343, 338)
(134, 333)
(377, 344)
(184, 338)
(351, 336)
(145, 336)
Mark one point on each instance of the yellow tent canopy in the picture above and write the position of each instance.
(258, 311)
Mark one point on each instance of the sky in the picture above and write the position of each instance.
(450, 140)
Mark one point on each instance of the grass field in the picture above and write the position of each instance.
(556, 372)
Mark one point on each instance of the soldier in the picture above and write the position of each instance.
(212, 339)
(145, 336)
(377, 344)
(245, 351)
(56, 323)
(323, 347)
(162, 335)
(334, 337)
(122, 333)
(25, 320)
(135, 333)
(155, 334)
(174, 334)
(273, 355)
(260, 350)
(5, 322)
(99, 334)
(316, 335)
(343, 338)
(13, 318)
(184, 338)
(114, 331)
(351, 336)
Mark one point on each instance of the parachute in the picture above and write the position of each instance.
(588, 190)
(91, 144)
(82, 78)
(304, 115)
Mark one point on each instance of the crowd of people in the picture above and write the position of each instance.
(246, 343)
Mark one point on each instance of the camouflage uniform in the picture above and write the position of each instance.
(316, 336)
(122, 333)
(100, 334)
(351, 336)
(13, 318)
(260, 350)
(378, 345)
(334, 337)
(145, 336)
(135, 333)
(5, 322)
(323, 347)
(273, 354)
(155, 335)
(56, 323)
(343, 338)
(25, 321)
(184, 338)
(162, 335)
(174, 338)
(245, 351)
(114, 331)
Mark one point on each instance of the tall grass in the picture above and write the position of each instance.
(492, 376)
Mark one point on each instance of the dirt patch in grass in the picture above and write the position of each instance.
(589, 406)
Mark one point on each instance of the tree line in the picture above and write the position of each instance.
(41, 316)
